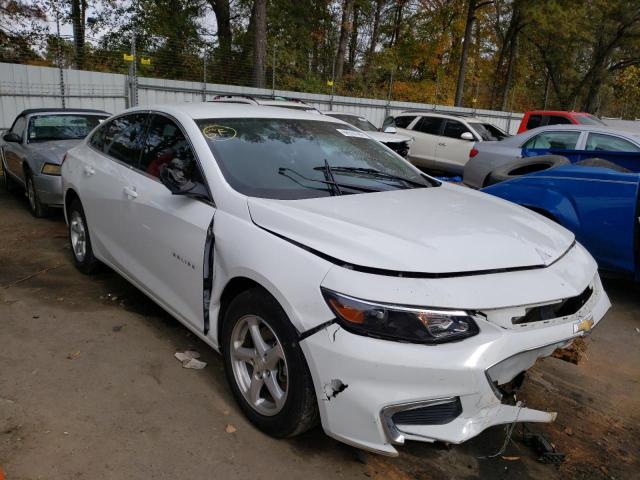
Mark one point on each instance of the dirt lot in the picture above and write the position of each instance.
(89, 389)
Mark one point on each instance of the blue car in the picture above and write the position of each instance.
(600, 206)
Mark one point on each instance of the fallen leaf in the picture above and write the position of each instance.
(568, 431)
(73, 355)
(230, 428)
(511, 459)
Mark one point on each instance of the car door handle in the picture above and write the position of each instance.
(442, 144)
(130, 192)
(88, 171)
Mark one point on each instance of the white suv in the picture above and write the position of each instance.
(292, 243)
(442, 142)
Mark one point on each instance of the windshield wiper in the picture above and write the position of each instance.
(328, 176)
(375, 173)
(332, 183)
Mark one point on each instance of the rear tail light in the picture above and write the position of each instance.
(473, 152)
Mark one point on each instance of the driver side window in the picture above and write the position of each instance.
(165, 142)
(19, 126)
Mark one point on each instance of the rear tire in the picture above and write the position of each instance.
(37, 209)
(524, 166)
(80, 241)
(255, 323)
(602, 163)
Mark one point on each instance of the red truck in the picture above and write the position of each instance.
(541, 118)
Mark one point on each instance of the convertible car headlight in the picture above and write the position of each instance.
(396, 322)
(51, 169)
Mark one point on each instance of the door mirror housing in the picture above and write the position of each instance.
(12, 137)
(390, 130)
(173, 175)
(467, 136)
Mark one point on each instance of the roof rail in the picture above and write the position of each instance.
(255, 98)
(442, 112)
(223, 97)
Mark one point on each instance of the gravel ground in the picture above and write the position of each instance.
(89, 389)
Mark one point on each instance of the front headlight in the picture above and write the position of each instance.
(51, 169)
(396, 322)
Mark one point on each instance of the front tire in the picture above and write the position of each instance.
(37, 209)
(80, 241)
(265, 367)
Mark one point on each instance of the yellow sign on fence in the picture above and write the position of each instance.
(127, 58)
(145, 61)
(330, 83)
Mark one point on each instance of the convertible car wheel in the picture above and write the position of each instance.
(38, 210)
(524, 166)
(265, 366)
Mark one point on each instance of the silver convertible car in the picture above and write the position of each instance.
(33, 148)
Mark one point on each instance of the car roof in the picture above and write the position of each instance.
(221, 109)
(32, 111)
(555, 112)
(586, 128)
(451, 115)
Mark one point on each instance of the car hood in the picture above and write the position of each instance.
(439, 230)
(52, 151)
(388, 137)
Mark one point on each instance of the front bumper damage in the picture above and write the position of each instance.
(391, 391)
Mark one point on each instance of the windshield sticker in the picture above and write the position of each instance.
(219, 132)
(352, 133)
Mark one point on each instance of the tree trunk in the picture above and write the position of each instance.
(353, 43)
(375, 33)
(513, 51)
(465, 52)
(78, 12)
(223, 19)
(259, 43)
(345, 32)
(397, 23)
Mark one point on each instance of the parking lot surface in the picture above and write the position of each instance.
(90, 389)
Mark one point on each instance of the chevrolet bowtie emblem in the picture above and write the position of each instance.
(583, 325)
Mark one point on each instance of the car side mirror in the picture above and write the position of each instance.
(12, 137)
(390, 130)
(173, 175)
(467, 136)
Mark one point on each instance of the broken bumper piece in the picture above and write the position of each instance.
(375, 394)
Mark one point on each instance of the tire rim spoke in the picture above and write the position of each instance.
(254, 390)
(276, 392)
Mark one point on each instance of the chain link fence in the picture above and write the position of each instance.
(114, 80)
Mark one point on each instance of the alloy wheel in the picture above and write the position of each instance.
(78, 236)
(259, 365)
(31, 195)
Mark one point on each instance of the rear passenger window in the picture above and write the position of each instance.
(554, 140)
(166, 142)
(431, 125)
(404, 121)
(602, 142)
(121, 138)
(558, 120)
(534, 121)
(453, 129)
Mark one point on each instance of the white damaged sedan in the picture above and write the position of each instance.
(339, 282)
